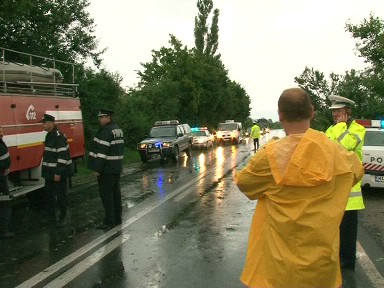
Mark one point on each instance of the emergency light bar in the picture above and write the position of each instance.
(168, 122)
(194, 129)
(371, 123)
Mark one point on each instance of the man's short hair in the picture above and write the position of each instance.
(295, 104)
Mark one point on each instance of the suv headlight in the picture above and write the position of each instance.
(167, 144)
(142, 146)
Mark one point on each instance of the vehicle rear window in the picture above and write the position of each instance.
(163, 132)
(374, 138)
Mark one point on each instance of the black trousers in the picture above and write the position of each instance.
(348, 238)
(5, 206)
(110, 194)
(56, 195)
(256, 143)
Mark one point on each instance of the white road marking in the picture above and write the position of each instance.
(369, 268)
(92, 259)
(48, 272)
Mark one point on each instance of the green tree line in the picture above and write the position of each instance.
(365, 87)
(188, 84)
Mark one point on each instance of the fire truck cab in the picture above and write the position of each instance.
(373, 153)
(27, 92)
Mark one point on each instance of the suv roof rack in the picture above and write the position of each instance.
(167, 122)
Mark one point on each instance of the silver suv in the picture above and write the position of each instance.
(167, 139)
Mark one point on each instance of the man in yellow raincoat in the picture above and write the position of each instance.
(302, 183)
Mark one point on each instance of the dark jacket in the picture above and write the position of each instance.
(5, 160)
(107, 150)
(56, 158)
(5, 163)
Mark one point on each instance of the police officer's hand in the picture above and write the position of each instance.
(56, 178)
(6, 171)
(342, 118)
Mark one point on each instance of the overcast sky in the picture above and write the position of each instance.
(263, 44)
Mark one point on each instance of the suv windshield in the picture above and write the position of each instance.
(374, 138)
(227, 126)
(162, 132)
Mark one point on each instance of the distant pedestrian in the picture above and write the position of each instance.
(255, 135)
(56, 168)
(350, 135)
(5, 205)
(106, 160)
(302, 182)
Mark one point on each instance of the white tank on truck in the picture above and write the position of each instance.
(27, 92)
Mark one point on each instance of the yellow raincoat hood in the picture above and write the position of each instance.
(302, 161)
(302, 183)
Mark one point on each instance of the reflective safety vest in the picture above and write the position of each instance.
(255, 131)
(351, 136)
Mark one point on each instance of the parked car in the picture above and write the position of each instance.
(166, 139)
(373, 158)
(202, 138)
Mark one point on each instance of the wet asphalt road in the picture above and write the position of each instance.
(185, 225)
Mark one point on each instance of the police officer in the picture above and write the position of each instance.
(255, 135)
(56, 168)
(351, 135)
(5, 204)
(106, 160)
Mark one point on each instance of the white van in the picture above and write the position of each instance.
(229, 131)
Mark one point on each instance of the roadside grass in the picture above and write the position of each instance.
(83, 173)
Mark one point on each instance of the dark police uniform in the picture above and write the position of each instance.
(56, 161)
(5, 206)
(106, 158)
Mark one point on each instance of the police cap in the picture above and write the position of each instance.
(105, 112)
(47, 118)
(340, 102)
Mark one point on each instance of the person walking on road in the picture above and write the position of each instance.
(5, 204)
(106, 160)
(56, 168)
(302, 183)
(255, 135)
(350, 135)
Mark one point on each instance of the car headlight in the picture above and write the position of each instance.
(218, 135)
(142, 146)
(167, 144)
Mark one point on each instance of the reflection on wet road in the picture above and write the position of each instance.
(42, 252)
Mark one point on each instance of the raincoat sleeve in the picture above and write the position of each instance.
(256, 177)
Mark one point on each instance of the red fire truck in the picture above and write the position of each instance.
(26, 93)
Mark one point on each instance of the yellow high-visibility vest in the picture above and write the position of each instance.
(352, 138)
